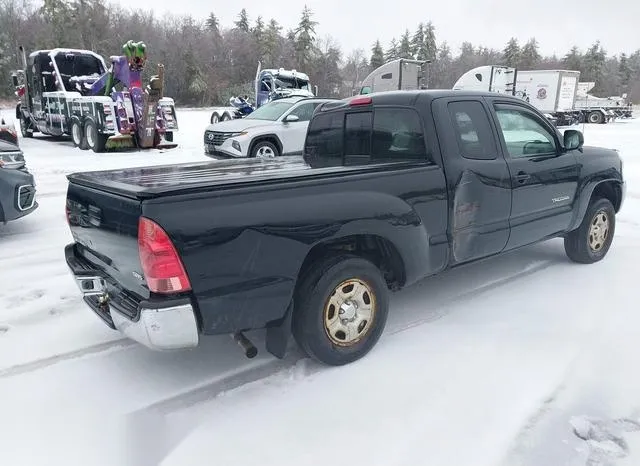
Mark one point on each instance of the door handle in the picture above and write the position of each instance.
(522, 177)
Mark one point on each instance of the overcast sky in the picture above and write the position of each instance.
(556, 24)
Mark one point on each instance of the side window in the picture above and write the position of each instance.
(323, 144)
(304, 111)
(523, 135)
(473, 131)
(357, 133)
(397, 136)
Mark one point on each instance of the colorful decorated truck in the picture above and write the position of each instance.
(72, 92)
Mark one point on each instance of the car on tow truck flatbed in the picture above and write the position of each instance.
(392, 188)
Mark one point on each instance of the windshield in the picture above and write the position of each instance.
(271, 111)
(292, 83)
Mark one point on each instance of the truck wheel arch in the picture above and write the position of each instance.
(608, 189)
(266, 137)
(377, 249)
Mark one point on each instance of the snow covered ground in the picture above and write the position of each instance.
(492, 364)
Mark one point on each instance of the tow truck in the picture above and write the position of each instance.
(66, 92)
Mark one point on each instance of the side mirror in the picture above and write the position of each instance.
(14, 78)
(573, 139)
(290, 118)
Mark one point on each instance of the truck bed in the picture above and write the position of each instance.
(156, 181)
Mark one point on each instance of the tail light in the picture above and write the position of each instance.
(162, 267)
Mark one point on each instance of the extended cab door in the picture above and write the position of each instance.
(293, 133)
(544, 178)
(478, 178)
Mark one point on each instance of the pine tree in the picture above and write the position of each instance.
(392, 52)
(377, 56)
(243, 21)
(594, 62)
(625, 72)
(305, 37)
(213, 24)
(530, 57)
(417, 43)
(404, 50)
(430, 45)
(573, 59)
(511, 53)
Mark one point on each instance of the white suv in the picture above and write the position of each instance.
(276, 128)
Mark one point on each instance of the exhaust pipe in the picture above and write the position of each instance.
(250, 351)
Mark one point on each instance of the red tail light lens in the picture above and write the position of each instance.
(162, 267)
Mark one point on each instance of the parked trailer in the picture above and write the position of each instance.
(396, 75)
(552, 92)
(601, 109)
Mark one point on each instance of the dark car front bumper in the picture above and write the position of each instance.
(17, 194)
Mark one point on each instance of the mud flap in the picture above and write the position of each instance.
(278, 333)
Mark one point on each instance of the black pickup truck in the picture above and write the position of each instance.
(392, 188)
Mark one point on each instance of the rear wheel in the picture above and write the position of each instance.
(214, 118)
(596, 117)
(93, 139)
(340, 309)
(225, 117)
(591, 241)
(168, 136)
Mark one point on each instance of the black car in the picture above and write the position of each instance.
(17, 185)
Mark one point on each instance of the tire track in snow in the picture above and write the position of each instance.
(92, 350)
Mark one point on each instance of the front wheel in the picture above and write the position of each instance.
(214, 118)
(591, 241)
(264, 150)
(340, 309)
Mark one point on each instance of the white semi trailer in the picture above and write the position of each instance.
(397, 75)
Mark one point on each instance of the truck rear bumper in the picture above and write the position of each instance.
(167, 328)
(168, 325)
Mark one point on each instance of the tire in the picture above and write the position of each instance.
(312, 304)
(596, 118)
(77, 134)
(93, 139)
(214, 118)
(225, 117)
(585, 245)
(264, 150)
(168, 136)
(24, 128)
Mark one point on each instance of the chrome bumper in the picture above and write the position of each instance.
(162, 328)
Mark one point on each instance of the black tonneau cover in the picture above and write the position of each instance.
(156, 181)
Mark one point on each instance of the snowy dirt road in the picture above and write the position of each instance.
(491, 364)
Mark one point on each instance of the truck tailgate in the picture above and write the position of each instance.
(105, 229)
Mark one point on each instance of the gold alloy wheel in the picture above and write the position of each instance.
(349, 312)
(598, 231)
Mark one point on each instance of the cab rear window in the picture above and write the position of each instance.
(385, 134)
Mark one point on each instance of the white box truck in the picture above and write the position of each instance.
(552, 92)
